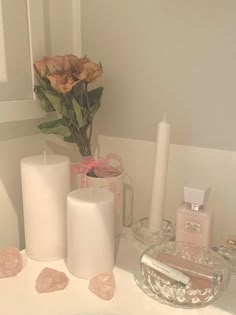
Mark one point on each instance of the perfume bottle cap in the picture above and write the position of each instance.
(196, 196)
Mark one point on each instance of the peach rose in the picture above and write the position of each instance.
(58, 64)
(64, 72)
(90, 71)
(76, 64)
(40, 67)
(62, 83)
(51, 65)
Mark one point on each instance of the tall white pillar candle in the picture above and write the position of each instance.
(159, 175)
(90, 232)
(45, 185)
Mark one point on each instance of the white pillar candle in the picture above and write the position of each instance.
(90, 232)
(115, 185)
(159, 175)
(45, 185)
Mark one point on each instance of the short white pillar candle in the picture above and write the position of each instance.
(90, 232)
(45, 185)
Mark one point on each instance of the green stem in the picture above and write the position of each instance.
(89, 110)
(78, 134)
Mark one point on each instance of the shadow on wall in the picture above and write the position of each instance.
(57, 146)
(18, 129)
(11, 153)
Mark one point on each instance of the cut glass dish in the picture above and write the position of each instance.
(202, 289)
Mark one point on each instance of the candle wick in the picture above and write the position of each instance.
(44, 157)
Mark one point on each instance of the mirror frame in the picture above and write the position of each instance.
(28, 109)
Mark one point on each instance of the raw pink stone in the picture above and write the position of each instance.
(103, 285)
(50, 280)
(10, 262)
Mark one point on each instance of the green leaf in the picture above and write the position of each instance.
(94, 97)
(78, 113)
(69, 139)
(44, 101)
(78, 92)
(55, 127)
(44, 82)
(95, 94)
(56, 102)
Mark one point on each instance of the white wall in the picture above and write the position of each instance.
(187, 165)
(174, 56)
(165, 55)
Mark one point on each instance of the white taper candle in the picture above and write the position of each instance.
(159, 175)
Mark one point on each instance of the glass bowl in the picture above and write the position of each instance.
(208, 271)
(143, 235)
(227, 249)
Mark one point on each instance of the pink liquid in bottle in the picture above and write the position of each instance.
(193, 221)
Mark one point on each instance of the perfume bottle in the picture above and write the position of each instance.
(194, 220)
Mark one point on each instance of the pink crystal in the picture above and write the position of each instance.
(103, 285)
(50, 280)
(10, 262)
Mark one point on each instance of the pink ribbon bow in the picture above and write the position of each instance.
(100, 166)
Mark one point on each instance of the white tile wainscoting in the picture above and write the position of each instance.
(187, 165)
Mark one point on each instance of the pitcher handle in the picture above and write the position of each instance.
(128, 214)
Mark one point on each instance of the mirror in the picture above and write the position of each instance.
(22, 39)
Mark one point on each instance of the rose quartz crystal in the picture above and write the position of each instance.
(50, 280)
(103, 285)
(10, 262)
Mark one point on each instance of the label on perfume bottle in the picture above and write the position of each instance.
(192, 226)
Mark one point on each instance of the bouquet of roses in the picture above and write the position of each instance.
(63, 87)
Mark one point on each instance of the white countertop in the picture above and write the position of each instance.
(18, 296)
